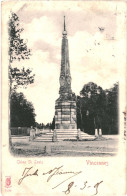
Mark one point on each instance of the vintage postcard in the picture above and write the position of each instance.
(64, 98)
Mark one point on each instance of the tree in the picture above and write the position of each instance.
(39, 125)
(92, 106)
(17, 51)
(53, 123)
(22, 111)
(79, 112)
(112, 108)
(98, 108)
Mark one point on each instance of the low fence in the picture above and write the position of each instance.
(24, 131)
(20, 131)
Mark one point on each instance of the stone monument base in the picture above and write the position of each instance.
(65, 115)
(66, 134)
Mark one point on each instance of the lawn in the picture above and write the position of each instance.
(107, 146)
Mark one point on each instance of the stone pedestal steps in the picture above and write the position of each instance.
(64, 135)
(60, 136)
(45, 137)
(86, 136)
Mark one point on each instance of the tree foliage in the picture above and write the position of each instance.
(18, 50)
(22, 111)
(53, 124)
(112, 109)
(21, 77)
(39, 125)
(97, 108)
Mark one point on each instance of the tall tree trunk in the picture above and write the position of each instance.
(9, 104)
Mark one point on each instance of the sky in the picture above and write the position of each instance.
(94, 54)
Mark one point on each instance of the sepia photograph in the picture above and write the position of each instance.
(64, 82)
(64, 98)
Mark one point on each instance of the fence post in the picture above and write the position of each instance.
(54, 138)
(48, 149)
(96, 133)
(32, 134)
(100, 133)
(79, 135)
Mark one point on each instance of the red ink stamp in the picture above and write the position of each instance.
(8, 181)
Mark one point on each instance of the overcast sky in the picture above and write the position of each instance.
(95, 55)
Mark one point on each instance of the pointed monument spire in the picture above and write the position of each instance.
(64, 32)
(64, 24)
(65, 76)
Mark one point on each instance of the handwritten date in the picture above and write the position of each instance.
(70, 185)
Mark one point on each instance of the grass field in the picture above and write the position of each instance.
(108, 146)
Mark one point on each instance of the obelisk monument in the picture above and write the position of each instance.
(65, 105)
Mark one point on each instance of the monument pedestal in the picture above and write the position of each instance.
(65, 115)
(65, 120)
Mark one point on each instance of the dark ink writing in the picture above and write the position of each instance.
(68, 189)
(27, 174)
